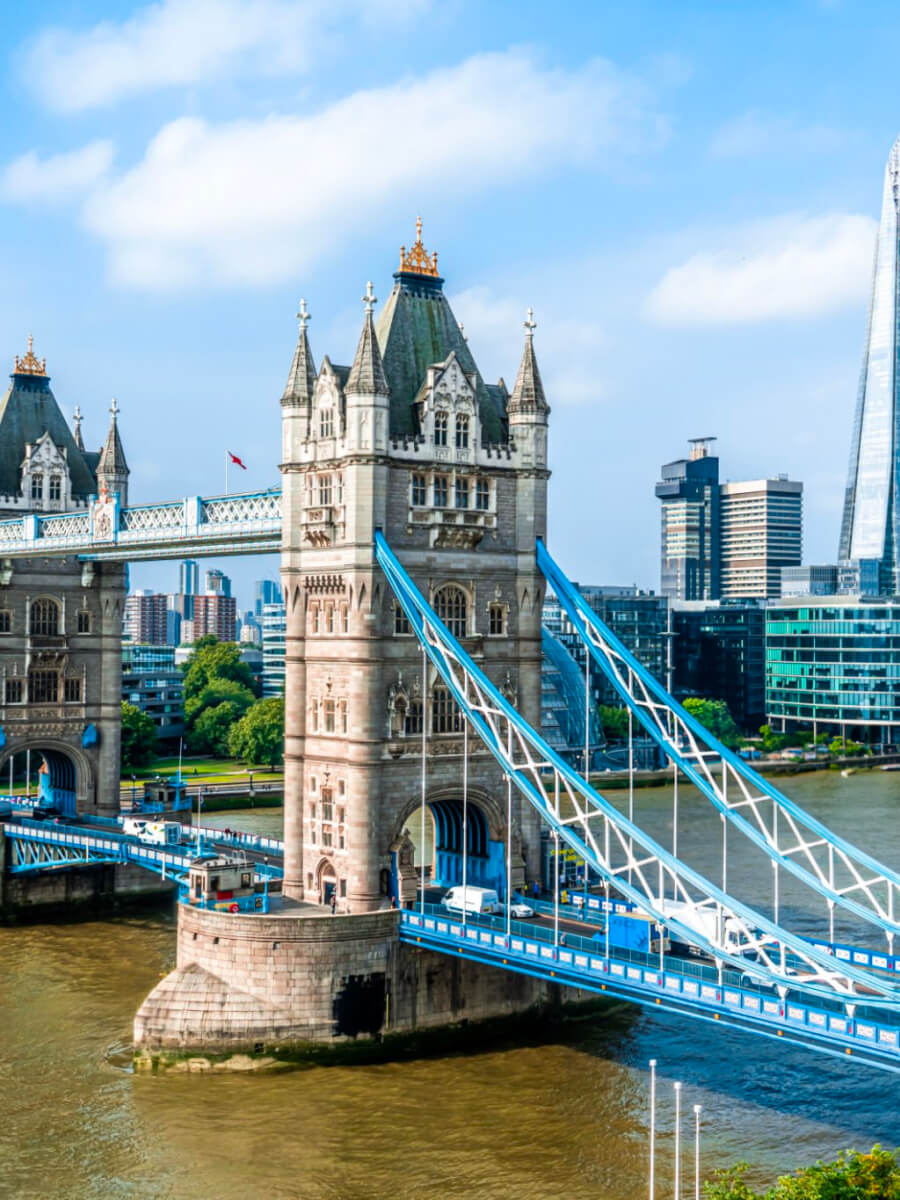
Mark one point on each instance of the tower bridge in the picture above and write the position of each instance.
(411, 522)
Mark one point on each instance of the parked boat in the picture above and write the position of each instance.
(848, 771)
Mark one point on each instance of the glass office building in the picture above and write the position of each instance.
(870, 530)
(719, 654)
(689, 534)
(274, 624)
(835, 662)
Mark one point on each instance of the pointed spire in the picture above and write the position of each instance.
(298, 391)
(528, 393)
(112, 456)
(367, 373)
(79, 440)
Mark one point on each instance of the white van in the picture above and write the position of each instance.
(158, 833)
(471, 900)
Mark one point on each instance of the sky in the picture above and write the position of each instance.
(685, 193)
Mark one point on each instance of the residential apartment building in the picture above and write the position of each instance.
(761, 533)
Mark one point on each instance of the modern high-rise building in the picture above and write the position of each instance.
(761, 531)
(217, 583)
(188, 577)
(689, 494)
(870, 529)
(274, 624)
(266, 591)
(817, 580)
(215, 614)
(718, 653)
(148, 619)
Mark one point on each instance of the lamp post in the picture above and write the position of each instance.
(652, 1117)
(697, 1152)
(133, 789)
(677, 1087)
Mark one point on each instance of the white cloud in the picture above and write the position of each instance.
(182, 42)
(790, 268)
(249, 202)
(58, 178)
(757, 132)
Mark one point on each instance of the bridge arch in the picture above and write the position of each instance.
(442, 843)
(70, 779)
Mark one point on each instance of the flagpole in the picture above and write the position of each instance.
(226, 472)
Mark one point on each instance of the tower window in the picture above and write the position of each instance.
(445, 714)
(482, 495)
(440, 491)
(45, 618)
(5, 621)
(14, 691)
(497, 620)
(43, 687)
(462, 433)
(401, 622)
(462, 493)
(326, 423)
(72, 691)
(329, 618)
(37, 487)
(441, 421)
(328, 711)
(413, 723)
(324, 489)
(84, 621)
(450, 605)
(345, 618)
(419, 490)
(55, 487)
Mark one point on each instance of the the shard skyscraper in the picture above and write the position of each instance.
(870, 530)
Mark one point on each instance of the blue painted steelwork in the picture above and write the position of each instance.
(620, 852)
(838, 872)
(678, 986)
(240, 523)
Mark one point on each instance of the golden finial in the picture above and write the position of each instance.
(30, 364)
(418, 261)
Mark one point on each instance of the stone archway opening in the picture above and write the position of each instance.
(326, 881)
(441, 844)
(46, 775)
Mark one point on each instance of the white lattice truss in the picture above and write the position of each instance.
(641, 869)
(842, 875)
(244, 523)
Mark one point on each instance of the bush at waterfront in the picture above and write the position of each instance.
(852, 1176)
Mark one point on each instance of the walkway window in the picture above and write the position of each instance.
(451, 606)
(5, 620)
(55, 488)
(441, 420)
(14, 691)
(45, 618)
(326, 423)
(440, 491)
(462, 433)
(482, 495)
(413, 718)
(84, 621)
(37, 487)
(445, 714)
(419, 490)
(43, 687)
(401, 622)
(497, 620)
(72, 691)
(462, 493)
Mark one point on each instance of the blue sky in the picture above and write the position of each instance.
(686, 193)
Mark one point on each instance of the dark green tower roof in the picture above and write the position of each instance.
(417, 329)
(28, 409)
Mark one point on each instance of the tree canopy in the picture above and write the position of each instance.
(212, 659)
(714, 716)
(138, 737)
(258, 737)
(218, 689)
(852, 1176)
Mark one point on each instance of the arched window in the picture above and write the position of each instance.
(462, 432)
(450, 605)
(441, 421)
(413, 718)
(445, 714)
(44, 618)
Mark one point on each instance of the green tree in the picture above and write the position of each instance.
(729, 1184)
(258, 737)
(217, 691)
(846, 746)
(714, 716)
(614, 722)
(138, 737)
(212, 659)
(852, 1176)
(209, 734)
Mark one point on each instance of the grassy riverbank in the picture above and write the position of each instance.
(205, 770)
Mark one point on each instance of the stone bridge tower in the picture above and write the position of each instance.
(60, 619)
(411, 440)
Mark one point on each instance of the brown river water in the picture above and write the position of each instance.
(567, 1118)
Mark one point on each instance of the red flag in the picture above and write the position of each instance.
(237, 462)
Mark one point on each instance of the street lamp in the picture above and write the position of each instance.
(697, 1152)
(133, 789)
(677, 1087)
(652, 1118)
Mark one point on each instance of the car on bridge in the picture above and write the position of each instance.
(517, 910)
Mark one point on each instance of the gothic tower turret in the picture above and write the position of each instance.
(112, 469)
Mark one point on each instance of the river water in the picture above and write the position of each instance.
(567, 1119)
